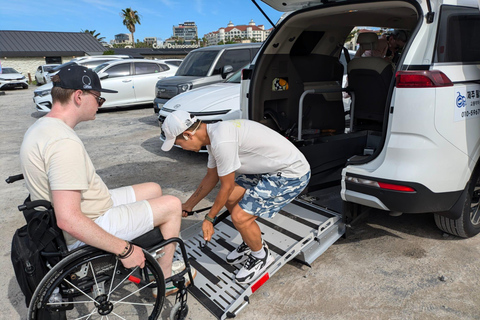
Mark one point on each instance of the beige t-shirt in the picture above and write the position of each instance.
(54, 158)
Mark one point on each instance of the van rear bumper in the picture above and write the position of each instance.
(421, 200)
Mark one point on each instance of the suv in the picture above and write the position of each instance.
(410, 142)
(202, 67)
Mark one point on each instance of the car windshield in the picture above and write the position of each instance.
(100, 67)
(69, 63)
(48, 68)
(9, 70)
(197, 63)
(235, 78)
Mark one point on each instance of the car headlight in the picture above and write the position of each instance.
(42, 93)
(184, 87)
(23, 78)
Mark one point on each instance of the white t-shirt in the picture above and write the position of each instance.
(248, 147)
(54, 158)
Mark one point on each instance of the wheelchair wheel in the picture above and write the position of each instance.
(93, 284)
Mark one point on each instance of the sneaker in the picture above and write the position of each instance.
(177, 267)
(239, 255)
(254, 267)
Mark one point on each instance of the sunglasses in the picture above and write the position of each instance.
(99, 99)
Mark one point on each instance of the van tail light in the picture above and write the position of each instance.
(378, 184)
(422, 79)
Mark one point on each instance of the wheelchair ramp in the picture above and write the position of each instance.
(301, 230)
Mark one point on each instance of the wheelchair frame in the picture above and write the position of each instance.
(88, 272)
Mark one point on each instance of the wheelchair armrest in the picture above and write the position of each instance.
(149, 239)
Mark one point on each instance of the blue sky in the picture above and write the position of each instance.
(157, 17)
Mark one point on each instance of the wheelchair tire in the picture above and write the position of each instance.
(94, 284)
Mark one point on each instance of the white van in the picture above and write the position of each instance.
(410, 142)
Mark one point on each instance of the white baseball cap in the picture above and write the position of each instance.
(176, 123)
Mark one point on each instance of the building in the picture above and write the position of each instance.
(123, 38)
(26, 50)
(250, 32)
(150, 41)
(186, 32)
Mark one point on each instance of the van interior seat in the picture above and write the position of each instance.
(322, 113)
(366, 41)
(369, 78)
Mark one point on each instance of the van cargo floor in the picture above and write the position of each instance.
(300, 230)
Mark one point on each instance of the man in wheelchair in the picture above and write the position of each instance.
(57, 168)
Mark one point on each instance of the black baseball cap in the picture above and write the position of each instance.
(79, 78)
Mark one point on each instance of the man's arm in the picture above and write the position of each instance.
(208, 183)
(227, 186)
(71, 219)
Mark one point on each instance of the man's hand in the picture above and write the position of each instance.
(208, 231)
(185, 210)
(136, 259)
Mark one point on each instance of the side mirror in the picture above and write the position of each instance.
(226, 70)
(102, 75)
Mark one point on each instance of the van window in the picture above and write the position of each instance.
(197, 63)
(459, 35)
(235, 58)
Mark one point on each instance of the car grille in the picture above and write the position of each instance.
(167, 92)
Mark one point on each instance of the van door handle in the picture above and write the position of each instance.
(128, 80)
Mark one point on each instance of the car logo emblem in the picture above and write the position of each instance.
(177, 106)
(163, 90)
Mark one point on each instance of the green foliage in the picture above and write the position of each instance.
(130, 19)
(94, 34)
(108, 52)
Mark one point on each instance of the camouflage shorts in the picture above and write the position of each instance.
(266, 194)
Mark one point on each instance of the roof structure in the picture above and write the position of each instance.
(39, 43)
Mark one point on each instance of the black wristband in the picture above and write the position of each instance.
(126, 253)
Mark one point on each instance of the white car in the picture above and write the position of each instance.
(88, 61)
(42, 71)
(212, 103)
(11, 78)
(134, 79)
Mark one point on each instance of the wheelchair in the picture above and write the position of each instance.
(89, 283)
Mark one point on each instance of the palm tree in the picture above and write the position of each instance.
(95, 35)
(130, 19)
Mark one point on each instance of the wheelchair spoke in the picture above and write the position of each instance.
(136, 303)
(145, 286)
(113, 278)
(95, 279)
(124, 279)
(78, 289)
(118, 316)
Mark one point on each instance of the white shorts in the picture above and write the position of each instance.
(127, 219)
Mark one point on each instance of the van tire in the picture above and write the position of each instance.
(468, 224)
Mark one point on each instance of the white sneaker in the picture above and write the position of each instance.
(254, 267)
(239, 255)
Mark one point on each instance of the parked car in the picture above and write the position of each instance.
(212, 103)
(11, 78)
(172, 62)
(414, 139)
(42, 71)
(202, 67)
(88, 61)
(134, 79)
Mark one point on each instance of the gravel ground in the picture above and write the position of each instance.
(388, 268)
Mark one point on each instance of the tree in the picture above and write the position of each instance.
(130, 19)
(95, 35)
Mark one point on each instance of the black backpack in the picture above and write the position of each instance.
(37, 246)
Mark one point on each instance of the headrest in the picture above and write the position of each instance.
(368, 40)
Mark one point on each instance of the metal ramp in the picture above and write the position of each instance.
(301, 230)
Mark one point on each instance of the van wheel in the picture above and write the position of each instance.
(468, 225)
